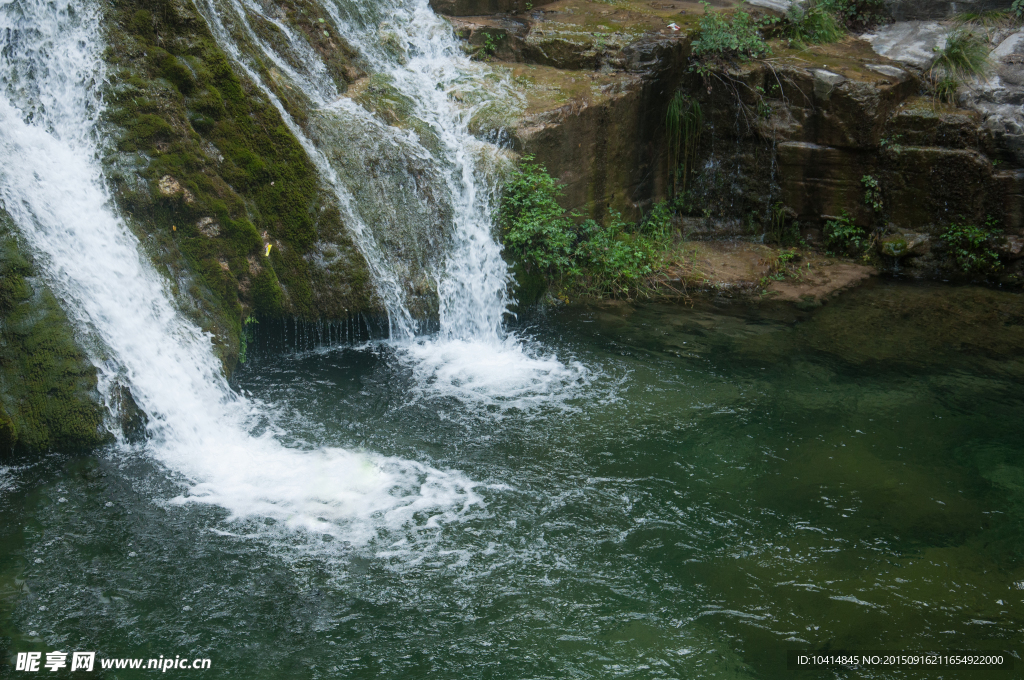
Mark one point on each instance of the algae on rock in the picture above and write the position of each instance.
(208, 175)
(48, 397)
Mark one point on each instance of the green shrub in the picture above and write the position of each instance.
(586, 257)
(535, 229)
(816, 25)
(856, 14)
(613, 259)
(969, 247)
(1018, 8)
(726, 36)
(843, 237)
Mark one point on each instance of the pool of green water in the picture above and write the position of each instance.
(730, 482)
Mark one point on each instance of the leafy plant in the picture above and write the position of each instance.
(1018, 8)
(535, 228)
(842, 236)
(856, 14)
(816, 24)
(684, 121)
(780, 266)
(658, 222)
(246, 337)
(726, 36)
(590, 258)
(892, 143)
(872, 192)
(969, 246)
(490, 45)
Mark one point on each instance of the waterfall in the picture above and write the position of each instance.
(428, 215)
(51, 183)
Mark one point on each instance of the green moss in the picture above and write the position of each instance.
(180, 111)
(48, 397)
(895, 246)
(267, 293)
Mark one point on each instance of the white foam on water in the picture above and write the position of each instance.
(7, 481)
(491, 374)
(353, 496)
(51, 183)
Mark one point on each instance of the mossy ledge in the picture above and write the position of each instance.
(208, 175)
(48, 396)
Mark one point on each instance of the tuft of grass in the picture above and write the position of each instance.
(946, 89)
(964, 57)
(684, 121)
(995, 18)
(815, 25)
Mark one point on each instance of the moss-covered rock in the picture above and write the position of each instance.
(48, 397)
(209, 174)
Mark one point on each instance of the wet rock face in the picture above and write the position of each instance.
(608, 153)
(208, 174)
(916, 10)
(597, 79)
(914, 43)
(465, 8)
(1000, 97)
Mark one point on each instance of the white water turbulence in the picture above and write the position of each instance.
(418, 192)
(52, 186)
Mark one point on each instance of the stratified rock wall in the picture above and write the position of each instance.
(788, 143)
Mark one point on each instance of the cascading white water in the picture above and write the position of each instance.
(414, 51)
(407, 46)
(472, 286)
(51, 184)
